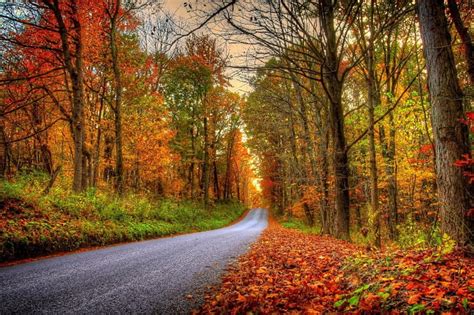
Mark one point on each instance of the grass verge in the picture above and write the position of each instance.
(299, 224)
(33, 224)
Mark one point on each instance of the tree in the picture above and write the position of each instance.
(74, 66)
(450, 134)
(114, 14)
(186, 86)
(52, 35)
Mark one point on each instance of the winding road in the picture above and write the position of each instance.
(155, 276)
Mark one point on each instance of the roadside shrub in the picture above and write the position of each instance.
(33, 224)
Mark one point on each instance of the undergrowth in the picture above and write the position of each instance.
(298, 224)
(412, 234)
(33, 224)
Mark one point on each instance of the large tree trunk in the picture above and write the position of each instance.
(333, 89)
(108, 151)
(341, 167)
(373, 101)
(86, 166)
(450, 134)
(118, 98)
(74, 69)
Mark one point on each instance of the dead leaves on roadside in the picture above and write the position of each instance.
(285, 271)
(411, 281)
(289, 271)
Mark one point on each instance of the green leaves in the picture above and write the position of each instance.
(416, 308)
(354, 300)
(339, 303)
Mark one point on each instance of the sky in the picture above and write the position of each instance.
(237, 79)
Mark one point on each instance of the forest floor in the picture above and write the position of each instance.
(290, 271)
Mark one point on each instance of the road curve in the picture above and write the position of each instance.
(154, 276)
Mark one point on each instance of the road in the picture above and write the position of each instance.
(154, 276)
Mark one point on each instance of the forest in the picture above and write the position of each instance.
(121, 120)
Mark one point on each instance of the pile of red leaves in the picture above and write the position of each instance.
(413, 281)
(285, 270)
(289, 271)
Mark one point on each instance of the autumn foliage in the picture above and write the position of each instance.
(289, 271)
(162, 123)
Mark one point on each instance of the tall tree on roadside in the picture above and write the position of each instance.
(205, 49)
(52, 32)
(72, 55)
(113, 12)
(450, 133)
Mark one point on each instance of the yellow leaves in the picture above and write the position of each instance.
(262, 270)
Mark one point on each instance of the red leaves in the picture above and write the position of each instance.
(288, 271)
(420, 281)
(285, 271)
(426, 149)
(414, 299)
(466, 162)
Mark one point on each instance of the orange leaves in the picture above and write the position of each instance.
(287, 271)
(414, 299)
(419, 281)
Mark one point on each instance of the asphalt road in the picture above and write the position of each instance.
(154, 276)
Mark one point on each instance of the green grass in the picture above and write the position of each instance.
(298, 224)
(32, 224)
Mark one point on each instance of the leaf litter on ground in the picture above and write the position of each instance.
(287, 271)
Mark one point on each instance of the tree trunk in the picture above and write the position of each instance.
(96, 157)
(388, 153)
(227, 182)
(450, 134)
(309, 214)
(217, 192)
(373, 102)
(466, 39)
(3, 152)
(118, 99)
(205, 164)
(333, 89)
(108, 151)
(74, 69)
(374, 192)
(323, 136)
(193, 162)
(86, 164)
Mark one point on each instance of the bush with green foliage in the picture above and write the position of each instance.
(33, 224)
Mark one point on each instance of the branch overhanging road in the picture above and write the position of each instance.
(154, 276)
